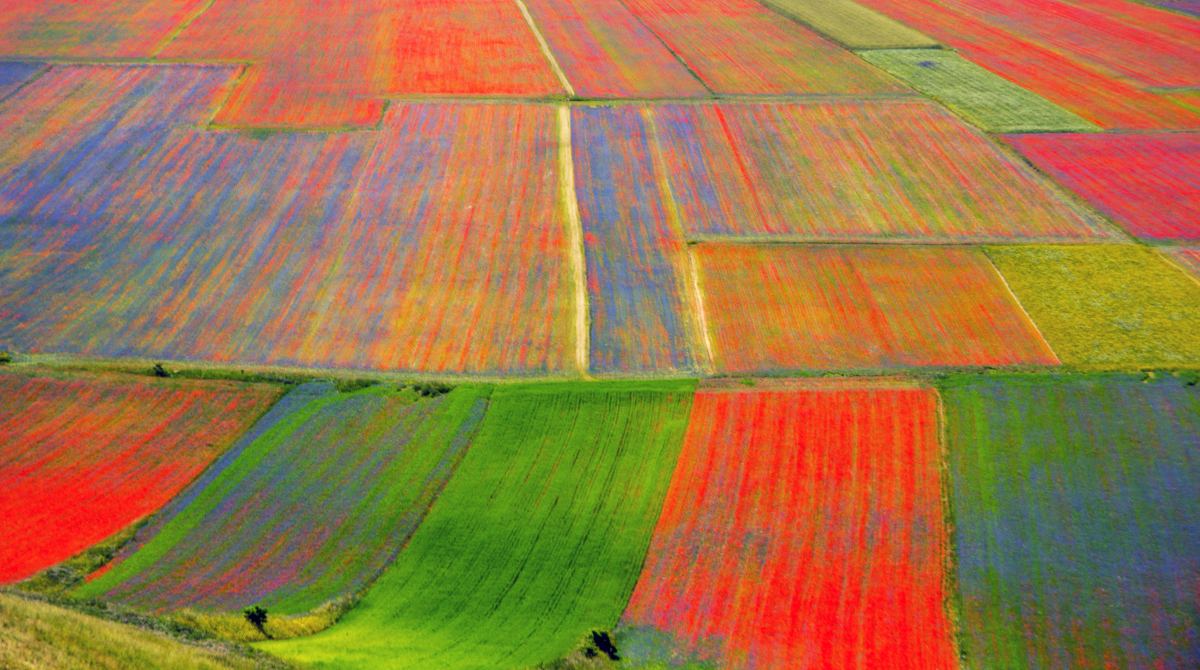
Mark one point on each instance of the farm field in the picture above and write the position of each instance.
(309, 510)
(599, 334)
(82, 457)
(586, 468)
(799, 520)
(1063, 488)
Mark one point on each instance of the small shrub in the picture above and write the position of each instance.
(257, 616)
(431, 389)
(604, 643)
(160, 371)
(5, 357)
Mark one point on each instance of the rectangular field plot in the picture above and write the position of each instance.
(383, 250)
(536, 540)
(773, 308)
(320, 65)
(802, 529)
(1109, 305)
(308, 507)
(1094, 94)
(1149, 183)
(742, 47)
(852, 24)
(606, 52)
(639, 274)
(83, 457)
(843, 171)
(91, 28)
(983, 98)
(1076, 536)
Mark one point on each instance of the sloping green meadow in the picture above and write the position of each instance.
(852, 24)
(986, 99)
(1107, 306)
(537, 539)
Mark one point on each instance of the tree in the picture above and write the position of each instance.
(257, 616)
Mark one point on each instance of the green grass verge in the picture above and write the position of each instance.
(538, 538)
(987, 100)
(1107, 306)
(851, 24)
(35, 635)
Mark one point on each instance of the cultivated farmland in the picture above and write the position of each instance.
(983, 98)
(84, 456)
(585, 469)
(1149, 183)
(1077, 541)
(852, 24)
(831, 171)
(803, 528)
(309, 510)
(1109, 306)
(774, 308)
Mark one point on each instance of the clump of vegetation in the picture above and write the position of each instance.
(349, 385)
(431, 389)
(6, 357)
(160, 371)
(257, 616)
(238, 628)
(604, 644)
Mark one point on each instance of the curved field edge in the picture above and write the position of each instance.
(584, 468)
(36, 634)
(374, 461)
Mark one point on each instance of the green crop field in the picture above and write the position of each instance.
(852, 24)
(585, 468)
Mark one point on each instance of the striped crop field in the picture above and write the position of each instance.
(742, 47)
(1076, 536)
(851, 24)
(606, 52)
(638, 267)
(843, 171)
(979, 96)
(307, 508)
(802, 529)
(90, 28)
(1186, 6)
(315, 67)
(83, 457)
(132, 236)
(1147, 57)
(780, 307)
(1108, 100)
(1108, 306)
(536, 540)
(1149, 183)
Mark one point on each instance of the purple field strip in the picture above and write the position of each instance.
(15, 73)
(309, 510)
(635, 256)
(606, 52)
(123, 234)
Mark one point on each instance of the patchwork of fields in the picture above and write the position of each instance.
(752, 334)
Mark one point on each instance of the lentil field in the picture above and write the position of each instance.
(600, 334)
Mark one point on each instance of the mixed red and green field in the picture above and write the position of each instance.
(600, 334)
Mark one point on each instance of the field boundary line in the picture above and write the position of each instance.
(1017, 301)
(566, 166)
(675, 221)
(178, 30)
(545, 47)
(45, 67)
(678, 58)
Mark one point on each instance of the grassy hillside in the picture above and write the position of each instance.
(537, 539)
(37, 635)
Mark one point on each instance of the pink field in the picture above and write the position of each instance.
(784, 307)
(607, 53)
(849, 171)
(803, 529)
(1149, 183)
(84, 457)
